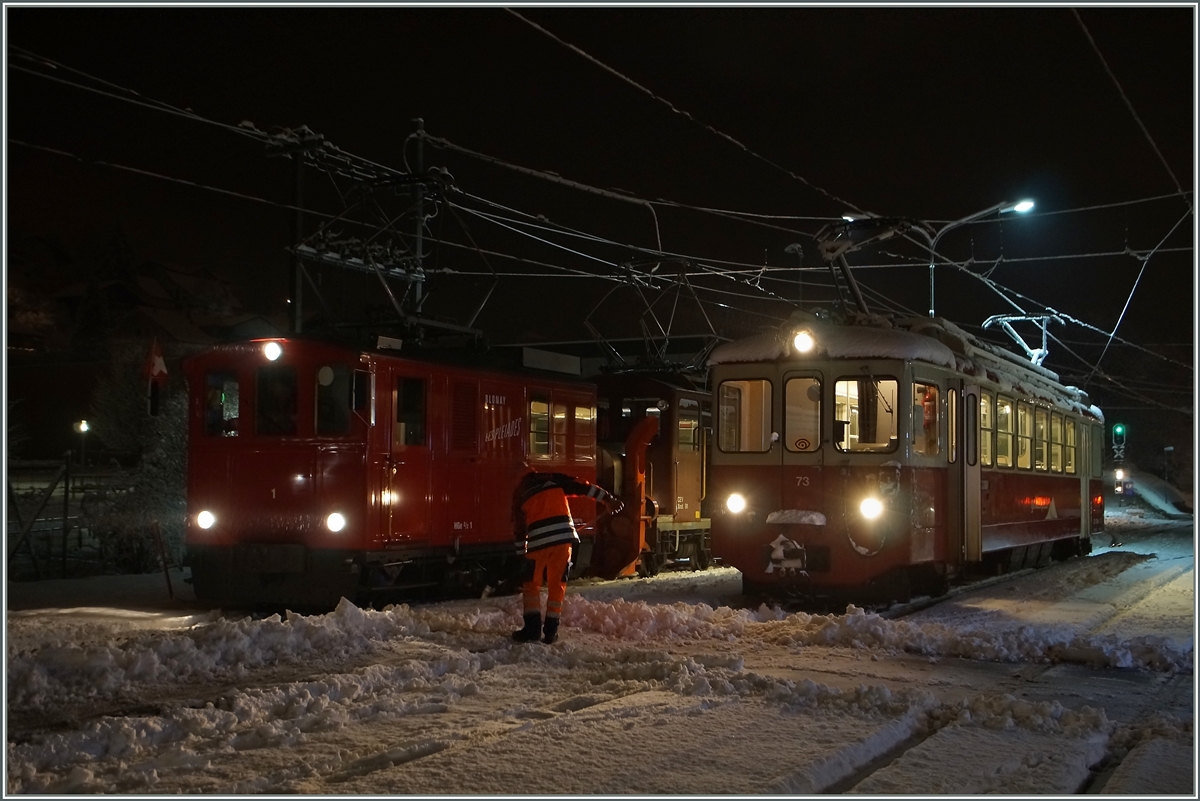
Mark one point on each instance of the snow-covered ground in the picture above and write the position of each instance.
(666, 685)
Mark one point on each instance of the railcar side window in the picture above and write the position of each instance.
(926, 408)
(1004, 432)
(688, 438)
(1056, 443)
(560, 429)
(333, 400)
(1039, 439)
(1024, 436)
(986, 426)
(409, 401)
(276, 400)
(865, 414)
(221, 404)
(1069, 446)
(744, 416)
(585, 433)
(802, 414)
(539, 425)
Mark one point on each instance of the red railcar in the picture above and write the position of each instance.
(868, 459)
(317, 471)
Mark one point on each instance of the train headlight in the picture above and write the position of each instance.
(735, 503)
(803, 341)
(272, 351)
(871, 508)
(336, 521)
(206, 519)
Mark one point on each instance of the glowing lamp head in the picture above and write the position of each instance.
(803, 342)
(871, 508)
(272, 351)
(735, 503)
(1023, 206)
(206, 519)
(335, 522)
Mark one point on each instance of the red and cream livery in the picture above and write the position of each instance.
(868, 459)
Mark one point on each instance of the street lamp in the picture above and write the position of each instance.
(82, 428)
(1019, 207)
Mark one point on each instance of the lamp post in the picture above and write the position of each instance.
(1000, 208)
(82, 428)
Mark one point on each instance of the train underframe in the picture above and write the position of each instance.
(901, 583)
(289, 575)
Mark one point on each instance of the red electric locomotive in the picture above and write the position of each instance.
(317, 471)
(868, 459)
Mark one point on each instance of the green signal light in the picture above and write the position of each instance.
(1118, 429)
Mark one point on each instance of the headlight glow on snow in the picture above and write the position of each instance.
(272, 351)
(205, 519)
(871, 508)
(336, 521)
(735, 503)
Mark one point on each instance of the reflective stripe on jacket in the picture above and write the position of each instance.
(541, 515)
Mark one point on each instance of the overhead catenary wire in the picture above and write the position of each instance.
(685, 114)
(764, 273)
(1129, 105)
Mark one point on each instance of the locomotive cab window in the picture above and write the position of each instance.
(409, 401)
(687, 435)
(744, 416)
(276, 400)
(865, 415)
(221, 404)
(334, 399)
(802, 414)
(926, 413)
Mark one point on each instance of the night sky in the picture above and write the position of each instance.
(796, 114)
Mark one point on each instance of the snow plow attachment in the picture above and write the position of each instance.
(621, 539)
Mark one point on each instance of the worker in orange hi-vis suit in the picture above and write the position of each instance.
(545, 533)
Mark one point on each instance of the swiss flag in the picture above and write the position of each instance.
(155, 368)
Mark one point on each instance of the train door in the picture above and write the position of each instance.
(969, 477)
(407, 490)
(456, 473)
(1083, 467)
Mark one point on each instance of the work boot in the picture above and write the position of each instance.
(550, 630)
(533, 624)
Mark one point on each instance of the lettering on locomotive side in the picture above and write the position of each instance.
(510, 429)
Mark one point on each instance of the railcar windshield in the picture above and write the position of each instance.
(744, 416)
(802, 414)
(865, 415)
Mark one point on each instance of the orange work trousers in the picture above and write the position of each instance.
(550, 565)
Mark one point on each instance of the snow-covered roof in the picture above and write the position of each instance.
(932, 340)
